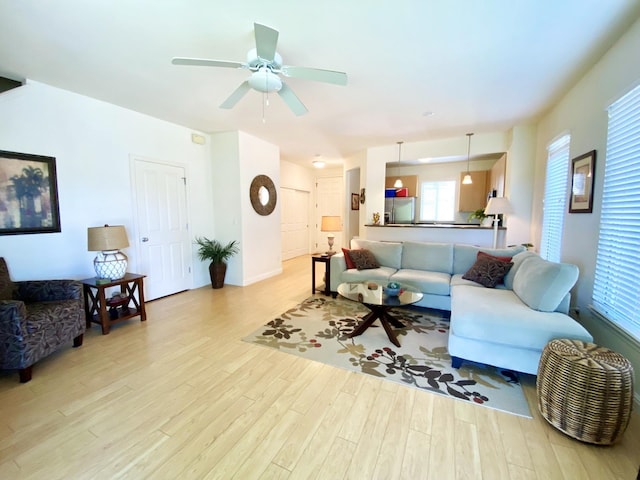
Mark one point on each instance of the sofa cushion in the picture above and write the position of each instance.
(363, 259)
(517, 261)
(464, 256)
(542, 284)
(433, 257)
(436, 283)
(388, 254)
(380, 275)
(487, 270)
(475, 314)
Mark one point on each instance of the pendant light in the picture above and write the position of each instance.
(467, 177)
(398, 182)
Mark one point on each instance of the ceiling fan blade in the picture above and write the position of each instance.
(266, 41)
(236, 95)
(319, 75)
(291, 100)
(207, 63)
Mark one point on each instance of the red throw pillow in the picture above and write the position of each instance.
(347, 259)
(485, 254)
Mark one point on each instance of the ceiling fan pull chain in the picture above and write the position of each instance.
(263, 102)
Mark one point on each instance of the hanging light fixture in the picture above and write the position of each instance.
(398, 183)
(467, 177)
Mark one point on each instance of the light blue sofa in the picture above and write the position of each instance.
(507, 326)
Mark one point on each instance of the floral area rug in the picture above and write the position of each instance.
(318, 329)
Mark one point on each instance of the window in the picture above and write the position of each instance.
(438, 200)
(555, 198)
(615, 290)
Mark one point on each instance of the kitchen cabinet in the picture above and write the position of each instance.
(474, 196)
(408, 181)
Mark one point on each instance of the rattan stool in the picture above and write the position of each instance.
(585, 391)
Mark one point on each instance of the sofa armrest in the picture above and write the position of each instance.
(13, 314)
(338, 266)
(48, 290)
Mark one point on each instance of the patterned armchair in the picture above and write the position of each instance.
(37, 318)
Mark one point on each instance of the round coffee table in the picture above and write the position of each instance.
(379, 303)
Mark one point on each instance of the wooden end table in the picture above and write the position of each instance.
(105, 312)
(326, 259)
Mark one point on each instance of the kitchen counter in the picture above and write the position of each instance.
(463, 233)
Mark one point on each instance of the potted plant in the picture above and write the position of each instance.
(217, 253)
(480, 215)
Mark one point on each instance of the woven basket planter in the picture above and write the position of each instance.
(585, 391)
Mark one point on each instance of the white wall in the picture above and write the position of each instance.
(92, 142)
(582, 113)
(237, 159)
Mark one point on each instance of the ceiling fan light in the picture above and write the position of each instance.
(467, 178)
(264, 80)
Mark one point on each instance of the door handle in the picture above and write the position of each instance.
(145, 239)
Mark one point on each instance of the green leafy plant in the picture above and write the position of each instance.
(215, 251)
(479, 214)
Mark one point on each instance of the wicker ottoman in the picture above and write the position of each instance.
(585, 391)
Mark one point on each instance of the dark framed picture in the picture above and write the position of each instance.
(583, 172)
(355, 201)
(28, 194)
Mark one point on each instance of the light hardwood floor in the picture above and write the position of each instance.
(182, 397)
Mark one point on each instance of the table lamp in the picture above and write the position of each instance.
(330, 224)
(495, 207)
(110, 262)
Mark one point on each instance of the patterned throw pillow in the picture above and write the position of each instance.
(488, 271)
(363, 259)
(347, 259)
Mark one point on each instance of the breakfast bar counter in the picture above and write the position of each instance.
(468, 234)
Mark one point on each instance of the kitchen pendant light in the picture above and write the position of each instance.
(398, 182)
(467, 177)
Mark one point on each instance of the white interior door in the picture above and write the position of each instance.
(295, 222)
(329, 201)
(163, 238)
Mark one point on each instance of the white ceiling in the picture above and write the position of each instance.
(478, 65)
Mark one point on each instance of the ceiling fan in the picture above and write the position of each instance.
(266, 65)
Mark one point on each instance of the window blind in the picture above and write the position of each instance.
(438, 201)
(555, 197)
(616, 290)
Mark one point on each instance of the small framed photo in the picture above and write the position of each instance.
(355, 201)
(583, 172)
(28, 194)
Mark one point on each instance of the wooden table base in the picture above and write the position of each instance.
(379, 312)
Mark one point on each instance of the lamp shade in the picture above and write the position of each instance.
(330, 224)
(106, 238)
(498, 205)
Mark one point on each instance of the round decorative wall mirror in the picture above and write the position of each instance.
(263, 195)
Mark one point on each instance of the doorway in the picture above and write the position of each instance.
(294, 222)
(329, 201)
(163, 243)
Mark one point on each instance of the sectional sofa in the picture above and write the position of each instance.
(506, 326)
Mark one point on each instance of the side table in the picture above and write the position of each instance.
(96, 303)
(321, 258)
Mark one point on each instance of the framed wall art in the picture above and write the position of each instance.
(355, 201)
(28, 194)
(583, 172)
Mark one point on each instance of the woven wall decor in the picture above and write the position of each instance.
(257, 183)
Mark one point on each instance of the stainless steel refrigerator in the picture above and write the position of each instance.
(400, 209)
